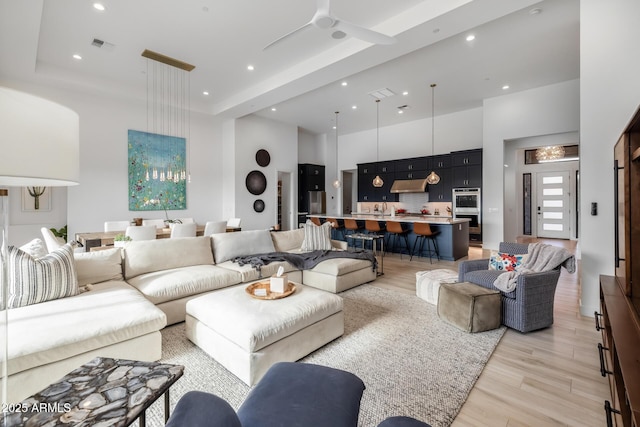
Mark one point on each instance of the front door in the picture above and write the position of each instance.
(553, 205)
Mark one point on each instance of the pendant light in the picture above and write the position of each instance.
(377, 181)
(433, 177)
(337, 184)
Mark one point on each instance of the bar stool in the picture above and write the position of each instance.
(395, 230)
(315, 220)
(337, 227)
(423, 232)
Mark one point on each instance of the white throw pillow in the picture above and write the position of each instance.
(33, 280)
(98, 266)
(317, 237)
(36, 248)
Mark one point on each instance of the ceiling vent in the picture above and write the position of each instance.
(101, 44)
(403, 107)
(382, 93)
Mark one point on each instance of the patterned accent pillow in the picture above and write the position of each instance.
(317, 237)
(32, 280)
(506, 262)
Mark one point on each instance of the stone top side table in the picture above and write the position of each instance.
(102, 392)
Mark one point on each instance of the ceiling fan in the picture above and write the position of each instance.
(323, 20)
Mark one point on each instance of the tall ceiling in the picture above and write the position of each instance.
(520, 43)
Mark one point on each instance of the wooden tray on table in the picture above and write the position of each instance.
(291, 288)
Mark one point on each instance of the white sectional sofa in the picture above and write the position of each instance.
(136, 291)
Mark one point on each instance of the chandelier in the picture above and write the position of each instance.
(168, 117)
(552, 152)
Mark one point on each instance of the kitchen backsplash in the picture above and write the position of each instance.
(411, 202)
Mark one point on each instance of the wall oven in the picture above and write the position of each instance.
(468, 204)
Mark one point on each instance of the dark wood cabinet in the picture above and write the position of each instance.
(366, 191)
(416, 174)
(468, 173)
(619, 319)
(466, 157)
(412, 165)
(441, 192)
(466, 168)
(311, 177)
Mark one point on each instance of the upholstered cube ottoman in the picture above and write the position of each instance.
(428, 283)
(469, 307)
(248, 335)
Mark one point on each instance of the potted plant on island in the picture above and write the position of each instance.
(120, 240)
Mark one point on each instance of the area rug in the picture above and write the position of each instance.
(411, 362)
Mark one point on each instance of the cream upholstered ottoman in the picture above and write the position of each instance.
(428, 283)
(469, 307)
(247, 335)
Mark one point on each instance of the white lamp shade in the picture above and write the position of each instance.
(39, 140)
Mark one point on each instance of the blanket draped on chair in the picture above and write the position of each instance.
(304, 260)
(541, 257)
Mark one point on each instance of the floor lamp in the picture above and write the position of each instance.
(40, 141)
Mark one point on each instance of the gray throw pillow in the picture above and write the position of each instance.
(35, 280)
(317, 237)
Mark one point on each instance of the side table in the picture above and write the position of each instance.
(104, 391)
(374, 238)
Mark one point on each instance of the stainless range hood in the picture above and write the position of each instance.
(409, 186)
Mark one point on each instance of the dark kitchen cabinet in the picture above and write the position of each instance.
(466, 158)
(467, 168)
(441, 192)
(311, 177)
(441, 161)
(411, 165)
(366, 173)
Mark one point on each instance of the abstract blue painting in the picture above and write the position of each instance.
(157, 172)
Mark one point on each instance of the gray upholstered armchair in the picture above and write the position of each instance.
(530, 305)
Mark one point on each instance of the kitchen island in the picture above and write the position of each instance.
(453, 240)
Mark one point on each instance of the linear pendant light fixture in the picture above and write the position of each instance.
(337, 184)
(169, 109)
(433, 177)
(377, 181)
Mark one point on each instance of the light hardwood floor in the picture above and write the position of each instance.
(549, 377)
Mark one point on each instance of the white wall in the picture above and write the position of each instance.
(453, 132)
(281, 141)
(609, 95)
(552, 109)
(103, 191)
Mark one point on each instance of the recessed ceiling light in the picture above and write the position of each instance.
(99, 6)
(335, 127)
(76, 56)
(436, 30)
(250, 67)
(505, 87)
(353, 107)
(205, 93)
(405, 93)
(273, 109)
(400, 111)
(535, 11)
(471, 37)
(344, 83)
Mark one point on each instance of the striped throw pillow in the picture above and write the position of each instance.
(34, 280)
(317, 237)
